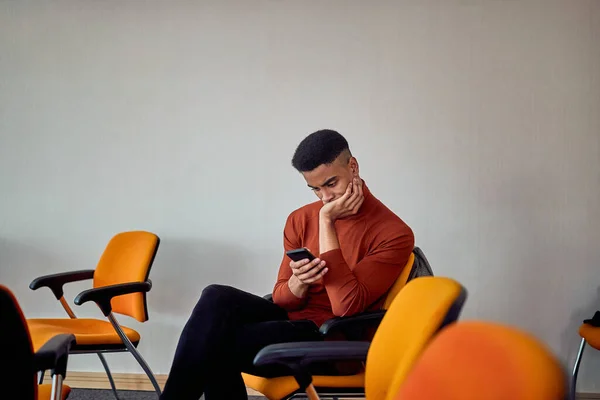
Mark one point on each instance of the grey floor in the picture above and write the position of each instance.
(98, 394)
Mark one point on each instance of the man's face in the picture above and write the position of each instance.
(330, 181)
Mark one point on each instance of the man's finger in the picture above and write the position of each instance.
(347, 198)
(348, 190)
(317, 277)
(356, 190)
(303, 269)
(314, 271)
(298, 264)
(357, 206)
(355, 201)
(314, 263)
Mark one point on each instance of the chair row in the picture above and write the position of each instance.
(419, 352)
(420, 317)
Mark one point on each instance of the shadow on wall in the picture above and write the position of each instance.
(180, 272)
(20, 263)
(183, 268)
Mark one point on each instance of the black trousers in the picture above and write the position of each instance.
(219, 341)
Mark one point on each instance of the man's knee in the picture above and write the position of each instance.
(214, 289)
(216, 293)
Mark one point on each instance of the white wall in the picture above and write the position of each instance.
(476, 121)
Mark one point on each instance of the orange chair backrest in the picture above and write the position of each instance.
(483, 360)
(128, 257)
(401, 281)
(16, 351)
(417, 313)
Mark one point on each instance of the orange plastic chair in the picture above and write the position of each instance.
(590, 334)
(19, 364)
(120, 283)
(474, 360)
(418, 312)
(356, 327)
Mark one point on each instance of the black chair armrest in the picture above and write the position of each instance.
(594, 321)
(353, 327)
(56, 281)
(268, 297)
(103, 295)
(298, 356)
(307, 353)
(54, 354)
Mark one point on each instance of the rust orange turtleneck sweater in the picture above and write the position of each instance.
(375, 245)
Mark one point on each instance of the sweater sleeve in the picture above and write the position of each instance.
(352, 291)
(282, 295)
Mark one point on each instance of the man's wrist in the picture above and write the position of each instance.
(297, 288)
(325, 218)
(327, 235)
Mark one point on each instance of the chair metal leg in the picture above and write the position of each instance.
(110, 378)
(136, 354)
(576, 370)
(56, 393)
(41, 380)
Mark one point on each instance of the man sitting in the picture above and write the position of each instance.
(360, 246)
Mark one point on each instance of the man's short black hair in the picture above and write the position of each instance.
(320, 147)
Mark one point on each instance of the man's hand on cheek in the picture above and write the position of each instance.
(347, 205)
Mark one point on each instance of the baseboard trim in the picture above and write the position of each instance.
(123, 381)
(99, 380)
(128, 381)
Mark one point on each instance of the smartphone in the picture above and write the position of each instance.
(300, 254)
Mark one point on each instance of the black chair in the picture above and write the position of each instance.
(359, 327)
(20, 364)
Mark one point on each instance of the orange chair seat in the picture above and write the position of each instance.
(45, 391)
(591, 334)
(88, 332)
(281, 387)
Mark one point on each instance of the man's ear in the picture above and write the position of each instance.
(354, 166)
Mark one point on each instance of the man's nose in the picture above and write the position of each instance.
(327, 196)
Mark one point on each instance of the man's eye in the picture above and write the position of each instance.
(332, 184)
(315, 189)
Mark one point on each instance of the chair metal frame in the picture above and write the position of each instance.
(595, 323)
(573, 392)
(129, 347)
